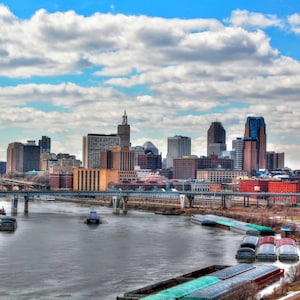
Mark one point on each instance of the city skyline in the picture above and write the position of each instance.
(70, 69)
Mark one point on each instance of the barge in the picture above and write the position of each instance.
(208, 283)
(231, 224)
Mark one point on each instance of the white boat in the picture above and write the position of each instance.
(93, 218)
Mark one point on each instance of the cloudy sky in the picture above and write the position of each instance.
(69, 68)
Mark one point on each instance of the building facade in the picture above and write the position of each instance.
(216, 139)
(31, 156)
(93, 145)
(86, 179)
(275, 160)
(14, 158)
(186, 168)
(255, 144)
(45, 144)
(238, 147)
(219, 176)
(178, 146)
(149, 161)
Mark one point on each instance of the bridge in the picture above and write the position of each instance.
(122, 197)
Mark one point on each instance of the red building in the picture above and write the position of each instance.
(272, 186)
(285, 187)
(254, 185)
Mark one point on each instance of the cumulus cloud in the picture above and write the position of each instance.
(294, 21)
(246, 19)
(172, 76)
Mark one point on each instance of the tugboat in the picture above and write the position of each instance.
(93, 218)
(2, 211)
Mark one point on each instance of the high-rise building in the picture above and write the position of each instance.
(22, 157)
(45, 144)
(238, 147)
(31, 156)
(94, 144)
(121, 160)
(255, 144)
(124, 132)
(216, 139)
(275, 160)
(14, 158)
(178, 146)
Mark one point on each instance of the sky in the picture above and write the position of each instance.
(70, 68)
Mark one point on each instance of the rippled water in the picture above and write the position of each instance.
(54, 255)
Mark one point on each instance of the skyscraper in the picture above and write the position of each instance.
(45, 145)
(14, 158)
(178, 146)
(255, 144)
(216, 139)
(31, 156)
(22, 157)
(93, 145)
(238, 147)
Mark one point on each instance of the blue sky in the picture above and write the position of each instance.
(69, 68)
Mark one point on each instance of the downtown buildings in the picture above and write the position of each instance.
(110, 158)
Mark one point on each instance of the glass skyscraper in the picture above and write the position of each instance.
(255, 144)
(216, 139)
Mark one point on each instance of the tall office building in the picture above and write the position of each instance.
(238, 147)
(93, 145)
(45, 145)
(22, 157)
(216, 139)
(14, 158)
(124, 132)
(255, 144)
(31, 156)
(178, 146)
(275, 160)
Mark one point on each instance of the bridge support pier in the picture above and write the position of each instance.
(182, 200)
(14, 205)
(124, 200)
(26, 200)
(116, 205)
(191, 200)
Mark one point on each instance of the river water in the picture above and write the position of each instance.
(54, 255)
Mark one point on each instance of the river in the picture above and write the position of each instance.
(54, 255)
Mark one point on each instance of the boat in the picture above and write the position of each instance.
(213, 282)
(8, 223)
(93, 218)
(167, 212)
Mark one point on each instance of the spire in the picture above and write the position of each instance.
(124, 118)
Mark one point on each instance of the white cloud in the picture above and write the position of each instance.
(294, 21)
(246, 19)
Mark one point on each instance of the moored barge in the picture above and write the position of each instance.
(208, 283)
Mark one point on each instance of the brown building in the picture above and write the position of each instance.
(61, 181)
(149, 161)
(86, 179)
(186, 168)
(275, 160)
